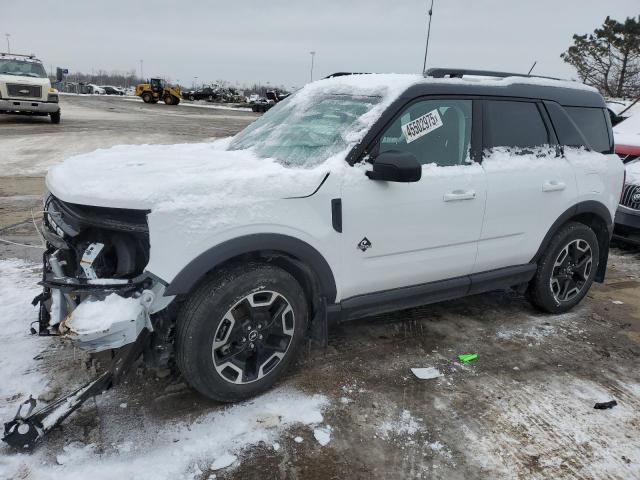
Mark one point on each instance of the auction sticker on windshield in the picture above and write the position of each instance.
(421, 126)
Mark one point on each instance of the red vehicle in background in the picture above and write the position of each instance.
(626, 134)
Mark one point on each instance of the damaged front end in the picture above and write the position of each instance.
(92, 254)
(96, 294)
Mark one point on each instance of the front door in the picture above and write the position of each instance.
(402, 234)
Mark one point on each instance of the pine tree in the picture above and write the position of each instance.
(609, 58)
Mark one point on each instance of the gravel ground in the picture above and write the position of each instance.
(523, 409)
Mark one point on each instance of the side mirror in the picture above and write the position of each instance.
(394, 166)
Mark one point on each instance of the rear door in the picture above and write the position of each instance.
(402, 234)
(529, 183)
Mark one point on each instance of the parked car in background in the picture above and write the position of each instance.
(109, 90)
(627, 146)
(207, 93)
(92, 89)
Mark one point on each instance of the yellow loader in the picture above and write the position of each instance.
(157, 90)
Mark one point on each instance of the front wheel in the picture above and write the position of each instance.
(55, 117)
(566, 270)
(240, 331)
(147, 98)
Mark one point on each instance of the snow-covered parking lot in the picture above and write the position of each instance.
(522, 409)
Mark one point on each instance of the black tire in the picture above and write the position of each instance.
(168, 100)
(55, 117)
(204, 318)
(191, 97)
(147, 98)
(553, 288)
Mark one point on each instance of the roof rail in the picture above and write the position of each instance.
(461, 72)
(344, 74)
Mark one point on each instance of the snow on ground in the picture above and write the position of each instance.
(18, 374)
(163, 449)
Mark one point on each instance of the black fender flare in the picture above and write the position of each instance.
(195, 270)
(587, 207)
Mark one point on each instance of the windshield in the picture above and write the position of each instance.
(22, 68)
(304, 133)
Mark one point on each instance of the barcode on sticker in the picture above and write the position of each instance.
(421, 126)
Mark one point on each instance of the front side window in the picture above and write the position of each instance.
(513, 124)
(435, 131)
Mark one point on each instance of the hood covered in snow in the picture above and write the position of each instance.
(171, 176)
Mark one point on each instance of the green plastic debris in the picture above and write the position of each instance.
(467, 357)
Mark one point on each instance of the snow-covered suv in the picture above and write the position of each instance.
(357, 195)
(25, 87)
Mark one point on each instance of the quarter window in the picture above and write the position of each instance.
(435, 131)
(513, 124)
(593, 125)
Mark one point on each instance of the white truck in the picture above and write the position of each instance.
(25, 87)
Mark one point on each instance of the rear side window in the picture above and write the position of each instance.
(593, 125)
(513, 124)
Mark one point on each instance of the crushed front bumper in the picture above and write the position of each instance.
(63, 297)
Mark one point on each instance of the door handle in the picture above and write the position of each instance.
(553, 186)
(459, 195)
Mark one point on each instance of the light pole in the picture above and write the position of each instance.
(313, 55)
(426, 49)
(141, 75)
(195, 83)
(8, 45)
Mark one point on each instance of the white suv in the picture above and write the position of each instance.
(357, 195)
(25, 87)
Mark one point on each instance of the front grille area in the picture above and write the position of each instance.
(631, 196)
(26, 91)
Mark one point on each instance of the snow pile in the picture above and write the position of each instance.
(627, 132)
(93, 316)
(19, 375)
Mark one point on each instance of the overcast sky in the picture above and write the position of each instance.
(270, 40)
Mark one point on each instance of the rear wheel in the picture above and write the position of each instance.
(168, 100)
(240, 331)
(55, 117)
(566, 270)
(147, 98)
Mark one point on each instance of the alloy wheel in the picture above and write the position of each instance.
(571, 270)
(253, 337)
